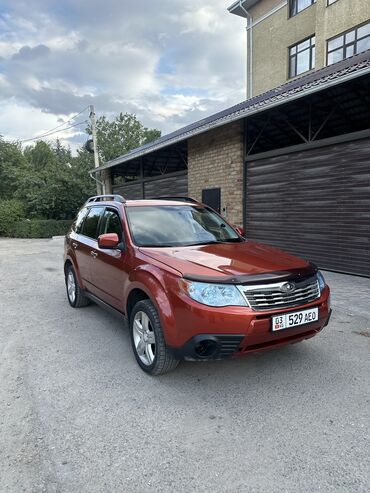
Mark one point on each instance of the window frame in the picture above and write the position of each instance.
(290, 5)
(330, 2)
(345, 45)
(311, 48)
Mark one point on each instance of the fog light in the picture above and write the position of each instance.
(206, 348)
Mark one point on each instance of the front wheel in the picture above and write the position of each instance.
(148, 344)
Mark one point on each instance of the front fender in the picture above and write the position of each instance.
(156, 284)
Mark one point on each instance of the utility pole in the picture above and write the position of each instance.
(99, 185)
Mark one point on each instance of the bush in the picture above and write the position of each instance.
(39, 228)
(11, 211)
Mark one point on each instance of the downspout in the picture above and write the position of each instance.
(249, 30)
(98, 181)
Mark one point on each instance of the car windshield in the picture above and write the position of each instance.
(166, 226)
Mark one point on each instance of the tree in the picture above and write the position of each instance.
(49, 182)
(121, 135)
(54, 183)
(12, 162)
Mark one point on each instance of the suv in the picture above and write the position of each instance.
(190, 285)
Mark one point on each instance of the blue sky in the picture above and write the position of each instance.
(170, 62)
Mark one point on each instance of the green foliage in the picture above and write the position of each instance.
(54, 184)
(121, 135)
(45, 182)
(39, 228)
(12, 163)
(11, 211)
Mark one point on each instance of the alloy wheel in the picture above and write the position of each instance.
(144, 338)
(71, 287)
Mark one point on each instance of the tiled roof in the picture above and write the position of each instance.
(353, 67)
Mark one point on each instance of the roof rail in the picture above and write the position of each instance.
(102, 198)
(182, 199)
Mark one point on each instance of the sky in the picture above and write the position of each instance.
(170, 62)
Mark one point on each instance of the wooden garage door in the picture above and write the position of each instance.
(175, 185)
(170, 186)
(314, 203)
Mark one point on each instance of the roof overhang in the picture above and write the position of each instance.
(240, 7)
(341, 72)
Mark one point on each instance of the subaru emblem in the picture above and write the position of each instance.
(288, 287)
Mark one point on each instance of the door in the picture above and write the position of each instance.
(314, 203)
(85, 244)
(212, 197)
(109, 269)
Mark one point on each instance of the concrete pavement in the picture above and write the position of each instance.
(78, 415)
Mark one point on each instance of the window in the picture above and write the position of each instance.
(164, 226)
(330, 2)
(302, 57)
(296, 6)
(348, 44)
(90, 224)
(111, 223)
(76, 226)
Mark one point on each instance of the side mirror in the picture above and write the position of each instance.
(240, 231)
(108, 241)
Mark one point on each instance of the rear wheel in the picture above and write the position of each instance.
(148, 344)
(75, 295)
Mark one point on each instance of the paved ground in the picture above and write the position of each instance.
(78, 415)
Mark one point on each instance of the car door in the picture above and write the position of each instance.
(109, 268)
(85, 244)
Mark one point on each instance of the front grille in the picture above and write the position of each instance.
(273, 297)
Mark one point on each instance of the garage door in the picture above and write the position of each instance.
(314, 203)
(174, 185)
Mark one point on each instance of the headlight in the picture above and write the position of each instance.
(213, 294)
(321, 280)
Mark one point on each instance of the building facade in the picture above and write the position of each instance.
(286, 39)
(291, 164)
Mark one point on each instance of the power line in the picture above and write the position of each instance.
(54, 132)
(51, 131)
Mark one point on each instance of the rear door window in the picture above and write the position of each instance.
(91, 222)
(79, 220)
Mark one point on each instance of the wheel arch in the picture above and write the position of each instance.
(145, 284)
(69, 262)
(135, 295)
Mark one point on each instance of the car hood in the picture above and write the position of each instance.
(231, 262)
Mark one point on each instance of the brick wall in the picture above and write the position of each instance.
(215, 159)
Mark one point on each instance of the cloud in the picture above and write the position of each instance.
(169, 61)
(26, 53)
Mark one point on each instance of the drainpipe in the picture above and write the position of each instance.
(99, 182)
(249, 30)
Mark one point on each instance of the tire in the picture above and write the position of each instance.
(148, 344)
(75, 295)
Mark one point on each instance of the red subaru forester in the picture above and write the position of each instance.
(190, 285)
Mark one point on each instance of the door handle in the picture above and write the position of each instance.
(93, 254)
(75, 245)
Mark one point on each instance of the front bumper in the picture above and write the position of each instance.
(236, 332)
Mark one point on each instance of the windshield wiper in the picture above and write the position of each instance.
(156, 246)
(233, 240)
(219, 242)
(212, 242)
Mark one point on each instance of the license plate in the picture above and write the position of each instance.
(288, 320)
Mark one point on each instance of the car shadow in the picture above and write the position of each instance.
(273, 367)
